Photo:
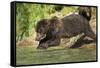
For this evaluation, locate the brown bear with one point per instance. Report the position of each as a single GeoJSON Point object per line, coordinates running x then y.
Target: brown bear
{"type": "Point", "coordinates": [50, 31]}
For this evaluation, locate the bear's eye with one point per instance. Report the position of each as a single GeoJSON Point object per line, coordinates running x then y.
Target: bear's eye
{"type": "Point", "coordinates": [41, 30]}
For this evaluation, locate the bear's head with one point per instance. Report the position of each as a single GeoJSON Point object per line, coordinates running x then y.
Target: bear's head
{"type": "Point", "coordinates": [41, 29]}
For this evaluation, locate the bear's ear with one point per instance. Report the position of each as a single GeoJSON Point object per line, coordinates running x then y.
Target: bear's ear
{"type": "Point", "coordinates": [54, 20]}
{"type": "Point", "coordinates": [55, 23]}
{"type": "Point", "coordinates": [43, 22]}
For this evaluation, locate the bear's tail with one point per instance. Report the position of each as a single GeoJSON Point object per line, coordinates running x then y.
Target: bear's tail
{"type": "Point", "coordinates": [85, 12]}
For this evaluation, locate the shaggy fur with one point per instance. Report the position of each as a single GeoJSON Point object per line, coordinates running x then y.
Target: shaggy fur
{"type": "Point", "coordinates": [50, 31]}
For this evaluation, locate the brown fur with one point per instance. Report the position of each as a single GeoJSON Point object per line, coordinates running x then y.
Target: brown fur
{"type": "Point", "coordinates": [54, 29]}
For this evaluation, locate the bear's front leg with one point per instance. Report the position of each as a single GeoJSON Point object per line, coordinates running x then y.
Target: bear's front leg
{"type": "Point", "coordinates": [48, 43]}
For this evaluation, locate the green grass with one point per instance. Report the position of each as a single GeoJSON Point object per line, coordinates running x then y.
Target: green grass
{"type": "Point", "coordinates": [30, 55]}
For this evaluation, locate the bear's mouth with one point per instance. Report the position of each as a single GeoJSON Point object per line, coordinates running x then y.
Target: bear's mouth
{"type": "Point", "coordinates": [43, 37]}
{"type": "Point", "coordinates": [40, 37]}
